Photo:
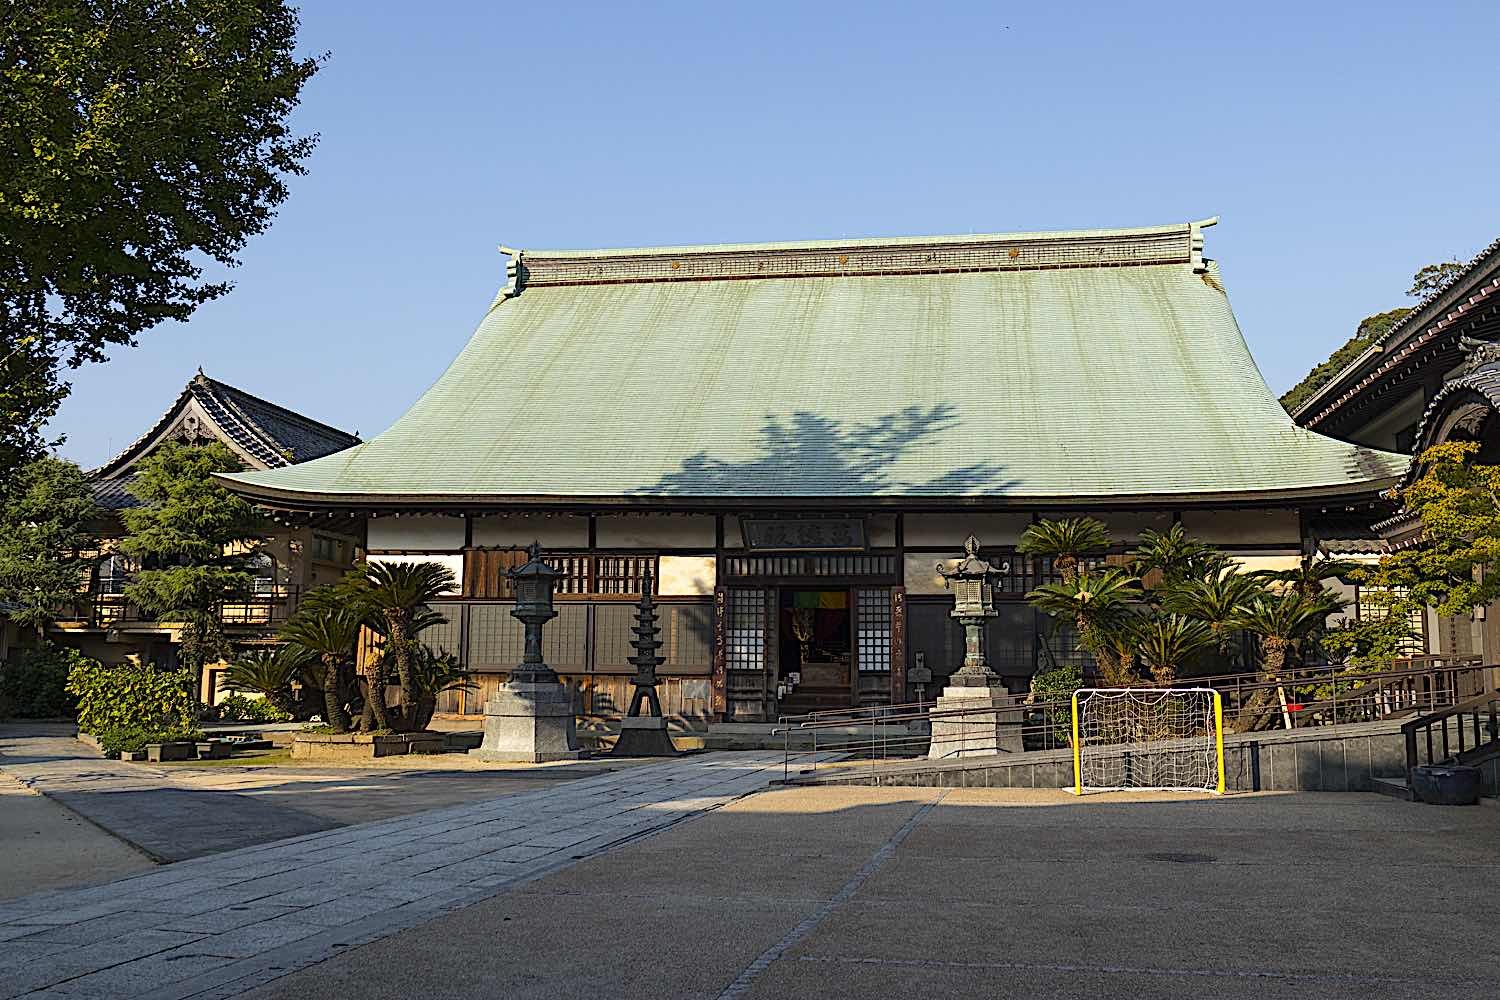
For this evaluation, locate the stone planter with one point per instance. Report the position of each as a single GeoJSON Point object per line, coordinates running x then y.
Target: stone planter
{"type": "Point", "coordinates": [363, 746]}
{"type": "Point", "coordinates": [157, 752]}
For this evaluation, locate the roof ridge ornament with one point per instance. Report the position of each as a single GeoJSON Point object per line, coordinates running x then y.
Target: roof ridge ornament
{"type": "Point", "coordinates": [1195, 243]}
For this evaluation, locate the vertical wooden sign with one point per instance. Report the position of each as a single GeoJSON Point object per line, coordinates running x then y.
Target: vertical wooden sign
{"type": "Point", "coordinates": [898, 645]}
{"type": "Point", "coordinates": [720, 696]}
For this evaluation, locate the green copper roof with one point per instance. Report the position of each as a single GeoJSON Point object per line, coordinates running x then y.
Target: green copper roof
{"type": "Point", "coordinates": [1033, 366]}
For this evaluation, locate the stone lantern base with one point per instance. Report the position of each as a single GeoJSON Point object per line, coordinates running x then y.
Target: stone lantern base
{"type": "Point", "coordinates": [529, 722]}
{"type": "Point", "coordinates": [644, 736]}
{"type": "Point", "coordinates": [991, 726]}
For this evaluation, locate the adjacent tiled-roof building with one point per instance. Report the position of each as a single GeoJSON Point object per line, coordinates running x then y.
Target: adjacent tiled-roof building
{"type": "Point", "coordinates": [263, 434]}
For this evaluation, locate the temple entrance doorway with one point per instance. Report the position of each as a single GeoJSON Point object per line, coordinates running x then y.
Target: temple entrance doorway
{"type": "Point", "coordinates": [815, 660]}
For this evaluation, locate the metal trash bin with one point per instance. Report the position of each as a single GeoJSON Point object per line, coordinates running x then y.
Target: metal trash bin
{"type": "Point", "coordinates": [1446, 785]}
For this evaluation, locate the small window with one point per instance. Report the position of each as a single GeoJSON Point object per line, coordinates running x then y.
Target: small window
{"type": "Point", "coordinates": [327, 549]}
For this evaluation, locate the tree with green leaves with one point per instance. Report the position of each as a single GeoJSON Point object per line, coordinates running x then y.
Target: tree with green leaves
{"type": "Point", "coordinates": [1432, 277]}
{"type": "Point", "coordinates": [1370, 330]}
{"type": "Point", "coordinates": [1456, 565]}
{"type": "Point", "coordinates": [138, 140]}
{"type": "Point", "coordinates": [194, 540]}
{"type": "Point", "coordinates": [1065, 542]}
{"type": "Point", "coordinates": [46, 541]}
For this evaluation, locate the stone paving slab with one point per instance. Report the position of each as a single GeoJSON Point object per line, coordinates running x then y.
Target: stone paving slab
{"type": "Point", "coordinates": [217, 926]}
{"type": "Point", "coordinates": [174, 812]}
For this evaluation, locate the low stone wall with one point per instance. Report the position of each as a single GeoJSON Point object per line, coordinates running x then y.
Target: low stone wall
{"type": "Point", "coordinates": [1326, 759]}
{"type": "Point", "coordinates": [362, 746]}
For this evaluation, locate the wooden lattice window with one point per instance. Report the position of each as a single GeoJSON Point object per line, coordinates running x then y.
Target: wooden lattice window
{"type": "Point", "coordinates": [486, 572]}
{"type": "Point", "coordinates": [873, 630]}
{"type": "Point", "coordinates": [745, 630]}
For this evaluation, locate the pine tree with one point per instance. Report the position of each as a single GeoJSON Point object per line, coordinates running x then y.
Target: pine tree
{"type": "Point", "coordinates": [194, 540]}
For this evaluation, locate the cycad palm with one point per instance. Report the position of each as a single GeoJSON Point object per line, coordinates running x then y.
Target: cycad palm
{"type": "Point", "coordinates": [1099, 605]}
{"type": "Point", "coordinates": [1218, 600]}
{"type": "Point", "coordinates": [328, 634]}
{"type": "Point", "coordinates": [1309, 573]}
{"type": "Point", "coordinates": [397, 595]}
{"type": "Point", "coordinates": [1166, 641]}
{"type": "Point", "coordinates": [1175, 556]}
{"type": "Point", "coordinates": [269, 673]}
{"type": "Point", "coordinates": [1065, 542]}
{"type": "Point", "coordinates": [1282, 620]}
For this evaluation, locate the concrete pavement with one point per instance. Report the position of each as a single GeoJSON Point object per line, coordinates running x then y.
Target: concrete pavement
{"type": "Point", "coordinates": [45, 845]}
{"type": "Point", "coordinates": [914, 893]}
{"type": "Point", "coordinates": [217, 926]}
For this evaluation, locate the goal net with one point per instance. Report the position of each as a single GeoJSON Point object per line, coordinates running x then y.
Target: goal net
{"type": "Point", "coordinates": [1164, 739]}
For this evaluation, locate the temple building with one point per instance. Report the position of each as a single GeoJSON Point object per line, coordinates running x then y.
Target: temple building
{"type": "Point", "coordinates": [1434, 377]}
{"type": "Point", "coordinates": [789, 436]}
{"type": "Point", "coordinates": [294, 558]}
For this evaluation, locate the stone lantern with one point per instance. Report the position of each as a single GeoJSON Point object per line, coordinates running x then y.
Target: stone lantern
{"type": "Point", "coordinates": [971, 580]}
{"type": "Point", "coordinates": [975, 715]}
{"type": "Point", "coordinates": [533, 585]}
{"type": "Point", "coordinates": [530, 717]}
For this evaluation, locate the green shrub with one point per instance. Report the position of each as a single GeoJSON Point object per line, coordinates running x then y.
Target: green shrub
{"type": "Point", "coordinates": [132, 697]}
{"type": "Point", "coordinates": [239, 708]}
{"type": "Point", "coordinates": [1054, 689]}
{"type": "Point", "coordinates": [128, 739]}
{"type": "Point", "coordinates": [33, 683]}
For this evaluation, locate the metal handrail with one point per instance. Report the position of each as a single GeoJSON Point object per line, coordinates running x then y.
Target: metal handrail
{"type": "Point", "coordinates": [1475, 709]}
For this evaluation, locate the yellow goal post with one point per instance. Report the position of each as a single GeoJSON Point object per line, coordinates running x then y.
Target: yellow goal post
{"type": "Point", "coordinates": [1150, 739]}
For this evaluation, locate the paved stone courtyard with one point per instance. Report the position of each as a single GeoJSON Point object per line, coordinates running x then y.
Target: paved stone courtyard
{"type": "Point", "coordinates": [673, 880]}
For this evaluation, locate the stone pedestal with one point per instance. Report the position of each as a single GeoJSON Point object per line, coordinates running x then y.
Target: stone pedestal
{"type": "Point", "coordinates": [992, 725]}
{"type": "Point", "coordinates": [644, 736]}
{"type": "Point", "coordinates": [529, 722]}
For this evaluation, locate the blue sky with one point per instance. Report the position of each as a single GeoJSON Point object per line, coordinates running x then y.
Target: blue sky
{"type": "Point", "coordinates": [1343, 146]}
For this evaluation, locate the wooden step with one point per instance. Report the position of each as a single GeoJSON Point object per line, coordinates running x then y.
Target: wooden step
{"type": "Point", "coordinates": [1396, 788]}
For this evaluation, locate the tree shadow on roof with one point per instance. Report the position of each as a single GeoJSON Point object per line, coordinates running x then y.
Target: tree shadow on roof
{"type": "Point", "coordinates": [805, 454]}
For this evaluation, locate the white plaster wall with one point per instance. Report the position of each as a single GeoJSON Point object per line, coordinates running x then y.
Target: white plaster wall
{"type": "Point", "coordinates": [1243, 526]}
{"type": "Point", "coordinates": [649, 531]}
{"type": "Point", "coordinates": [948, 531]}
{"type": "Point", "coordinates": [919, 573]}
{"type": "Point", "coordinates": [686, 576]}
{"type": "Point", "coordinates": [554, 531]}
{"type": "Point", "coordinates": [1254, 562]}
{"type": "Point", "coordinates": [1127, 525]}
{"type": "Point", "coordinates": [426, 532]}
{"type": "Point", "coordinates": [455, 563]}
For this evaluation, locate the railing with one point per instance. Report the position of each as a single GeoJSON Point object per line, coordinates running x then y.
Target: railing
{"type": "Point", "coordinates": [263, 609]}
{"type": "Point", "coordinates": [1465, 733]}
{"type": "Point", "coordinates": [879, 733]}
{"type": "Point", "coordinates": [1301, 698]}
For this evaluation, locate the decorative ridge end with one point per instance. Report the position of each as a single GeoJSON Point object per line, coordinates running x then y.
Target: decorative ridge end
{"type": "Point", "coordinates": [513, 270]}
{"type": "Point", "coordinates": [1195, 242]}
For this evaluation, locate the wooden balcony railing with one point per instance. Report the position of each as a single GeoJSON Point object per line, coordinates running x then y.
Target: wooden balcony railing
{"type": "Point", "coordinates": [266, 608]}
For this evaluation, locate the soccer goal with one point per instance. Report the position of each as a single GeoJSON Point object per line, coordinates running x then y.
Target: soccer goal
{"type": "Point", "coordinates": [1162, 739]}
